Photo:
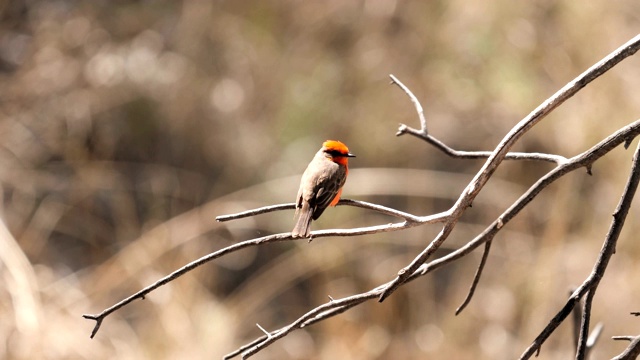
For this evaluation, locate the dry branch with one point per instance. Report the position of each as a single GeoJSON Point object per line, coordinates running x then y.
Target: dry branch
{"type": "Point", "coordinates": [590, 285]}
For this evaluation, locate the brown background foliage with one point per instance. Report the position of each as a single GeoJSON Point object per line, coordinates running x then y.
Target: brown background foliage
{"type": "Point", "coordinates": [127, 126]}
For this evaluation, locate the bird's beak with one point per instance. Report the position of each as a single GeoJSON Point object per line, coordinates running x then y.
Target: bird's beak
{"type": "Point", "coordinates": [350, 155]}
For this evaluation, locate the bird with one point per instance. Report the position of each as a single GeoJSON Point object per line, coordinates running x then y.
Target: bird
{"type": "Point", "coordinates": [321, 185]}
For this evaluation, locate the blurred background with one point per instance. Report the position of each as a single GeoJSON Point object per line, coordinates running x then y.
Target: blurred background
{"type": "Point", "coordinates": [128, 126]}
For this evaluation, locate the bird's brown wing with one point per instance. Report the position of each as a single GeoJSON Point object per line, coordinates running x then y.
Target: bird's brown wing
{"type": "Point", "coordinates": [326, 190]}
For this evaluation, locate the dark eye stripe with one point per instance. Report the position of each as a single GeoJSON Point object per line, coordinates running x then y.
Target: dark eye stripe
{"type": "Point", "coordinates": [334, 153]}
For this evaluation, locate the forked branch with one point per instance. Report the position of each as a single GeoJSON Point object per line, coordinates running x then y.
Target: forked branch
{"type": "Point", "coordinates": [482, 176]}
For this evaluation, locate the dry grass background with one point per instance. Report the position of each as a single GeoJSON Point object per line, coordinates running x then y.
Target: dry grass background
{"type": "Point", "coordinates": [127, 126]}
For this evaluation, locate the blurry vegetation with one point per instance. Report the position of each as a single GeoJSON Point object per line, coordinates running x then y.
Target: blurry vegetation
{"type": "Point", "coordinates": [127, 126]}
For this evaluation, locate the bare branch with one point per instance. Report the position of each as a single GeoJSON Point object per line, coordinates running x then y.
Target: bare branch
{"type": "Point", "coordinates": [588, 157]}
{"type": "Point", "coordinates": [331, 308]}
{"type": "Point", "coordinates": [263, 330]}
{"type": "Point", "coordinates": [476, 278]}
{"type": "Point", "coordinates": [254, 212]}
{"type": "Point", "coordinates": [423, 134]}
{"type": "Point", "coordinates": [98, 318]}
{"type": "Point", "coordinates": [487, 170]}
{"type": "Point", "coordinates": [472, 155]}
{"type": "Point", "coordinates": [585, 341]}
{"type": "Point", "coordinates": [632, 351]}
{"type": "Point", "coordinates": [582, 350]}
{"type": "Point", "coordinates": [423, 121]}
{"type": "Point", "coordinates": [357, 203]}
{"type": "Point", "coordinates": [576, 319]}
{"type": "Point", "coordinates": [625, 337]}
{"type": "Point", "coordinates": [591, 283]}
{"type": "Point", "coordinates": [393, 212]}
{"type": "Point", "coordinates": [579, 327]}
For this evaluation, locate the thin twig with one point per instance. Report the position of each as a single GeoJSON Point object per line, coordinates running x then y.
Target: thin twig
{"type": "Point", "coordinates": [263, 330]}
{"type": "Point", "coordinates": [476, 277]}
{"type": "Point", "coordinates": [423, 121]}
{"type": "Point", "coordinates": [254, 212]}
{"type": "Point", "coordinates": [624, 337]}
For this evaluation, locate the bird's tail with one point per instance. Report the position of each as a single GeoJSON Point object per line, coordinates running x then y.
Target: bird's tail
{"type": "Point", "coordinates": [303, 225]}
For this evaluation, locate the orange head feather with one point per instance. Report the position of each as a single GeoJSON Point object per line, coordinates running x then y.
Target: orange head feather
{"type": "Point", "coordinates": [337, 151]}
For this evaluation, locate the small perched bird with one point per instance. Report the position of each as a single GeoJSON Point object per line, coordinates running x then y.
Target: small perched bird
{"type": "Point", "coordinates": [321, 184]}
